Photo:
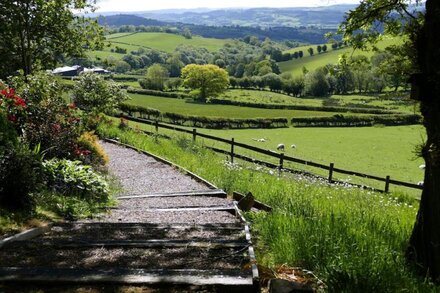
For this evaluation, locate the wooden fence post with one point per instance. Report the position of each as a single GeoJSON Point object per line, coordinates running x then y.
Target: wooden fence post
{"type": "Point", "coordinates": [387, 184]}
{"type": "Point", "coordinates": [232, 150]}
{"type": "Point", "coordinates": [156, 124]}
{"type": "Point", "coordinates": [194, 134]}
{"type": "Point", "coordinates": [281, 161]}
{"type": "Point", "coordinates": [330, 173]}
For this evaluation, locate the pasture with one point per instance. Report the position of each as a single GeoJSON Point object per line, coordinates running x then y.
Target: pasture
{"type": "Point", "coordinates": [354, 100]}
{"type": "Point", "coordinates": [159, 41]}
{"type": "Point", "coordinates": [379, 151]}
{"type": "Point", "coordinates": [295, 66]}
{"type": "Point", "coordinates": [189, 107]}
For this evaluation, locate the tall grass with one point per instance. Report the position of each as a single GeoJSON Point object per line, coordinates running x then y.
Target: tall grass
{"type": "Point", "coordinates": [354, 240]}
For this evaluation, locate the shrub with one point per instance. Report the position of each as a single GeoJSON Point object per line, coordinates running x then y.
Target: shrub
{"type": "Point", "coordinates": [55, 126]}
{"type": "Point", "coordinates": [93, 93]}
{"type": "Point", "coordinates": [71, 178]}
{"type": "Point", "coordinates": [96, 156]}
{"type": "Point", "coordinates": [20, 176]}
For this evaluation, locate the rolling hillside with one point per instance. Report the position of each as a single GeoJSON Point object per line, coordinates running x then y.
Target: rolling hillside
{"type": "Point", "coordinates": [331, 56]}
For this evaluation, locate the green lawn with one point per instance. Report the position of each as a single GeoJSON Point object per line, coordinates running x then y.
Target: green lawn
{"type": "Point", "coordinates": [181, 106]}
{"type": "Point", "coordinates": [330, 57]}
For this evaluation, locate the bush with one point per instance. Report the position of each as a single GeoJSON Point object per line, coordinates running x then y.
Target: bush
{"type": "Point", "coordinates": [20, 176]}
{"type": "Point", "coordinates": [96, 154]}
{"type": "Point", "coordinates": [71, 178]}
{"type": "Point", "coordinates": [93, 93]}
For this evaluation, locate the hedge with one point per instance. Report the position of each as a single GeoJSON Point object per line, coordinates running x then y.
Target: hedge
{"type": "Point", "coordinates": [357, 121]}
{"type": "Point", "coordinates": [303, 107]}
{"type": "Point", "coordinates": [201, 121]}
{"type": "Point", "coordinates": [173, 95]}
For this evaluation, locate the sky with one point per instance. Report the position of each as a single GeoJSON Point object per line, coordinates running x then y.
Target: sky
{"type": "Point", "coordinates": [144, 5]}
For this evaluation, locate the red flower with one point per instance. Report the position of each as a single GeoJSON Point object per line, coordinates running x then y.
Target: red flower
{"type": "Point", "coordinates": [20, 102]}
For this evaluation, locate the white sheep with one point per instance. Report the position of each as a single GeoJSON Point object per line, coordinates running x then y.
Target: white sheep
{"type": "Point", "coordinates": [422, 166]}
{"type": "Point", "coordinates": [420, 183]}
{"type": "Point", "coordinates": [293, 146]}
{"type": "Point", "coordinates": [260, 139]}
{"type": "Point", "coordinates": [280, 147]}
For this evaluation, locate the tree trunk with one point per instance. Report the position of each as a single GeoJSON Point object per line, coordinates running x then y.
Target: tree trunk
{"type": "Point", "coordinates": [424, 246]}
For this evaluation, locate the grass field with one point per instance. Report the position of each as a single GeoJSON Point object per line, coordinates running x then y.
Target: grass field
{"type": "Point", "coordinates": [379, 151]}
{"type": "Point", "coordinates": [352, 240]}
{"type": "Point", "coordinates": [266, 97]}
{"type": "Point", "coordinates": [330, 57]}
{"type": "Point", "coordinates": [159, 41]}
{"type": "Point", "coordinates": [181, 106]}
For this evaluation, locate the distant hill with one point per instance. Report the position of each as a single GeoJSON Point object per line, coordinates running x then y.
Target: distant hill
{"type": "Point", "coordinates": [324, 17]}
{"type": "Point", "coordinates": [126, 19]}
{"type": "Point", "coordinates": [300, 34]}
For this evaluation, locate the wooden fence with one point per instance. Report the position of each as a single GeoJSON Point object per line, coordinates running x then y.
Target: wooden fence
{"type": "Point", "coordinates": [281, 157]}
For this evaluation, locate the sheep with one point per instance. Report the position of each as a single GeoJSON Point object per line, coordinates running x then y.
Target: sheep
{"type": "Point", "coordinates": [420, 183]}
{"type": "Point", "coordinates": [422, 166]}
{"type": "Point", "coordinates": [293, 146]}
{"type": "Point", "coordinates": [280, 147]}
{"type": "Point", "coordinates": [260, 139]}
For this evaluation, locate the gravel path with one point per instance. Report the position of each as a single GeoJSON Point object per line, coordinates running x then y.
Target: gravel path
{"type": "Point", "coordinates": [140, 174]}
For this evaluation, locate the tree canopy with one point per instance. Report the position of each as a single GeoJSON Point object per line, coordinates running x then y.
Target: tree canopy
{"type": "Point", "coordinates": [205, 80]}
{"type": "Point", "coordinates": [38, 33]}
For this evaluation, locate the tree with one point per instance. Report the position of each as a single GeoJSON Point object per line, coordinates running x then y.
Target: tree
{"type": "Point", "coordinates": [423, 49]}
{"type": "Point", "coordinates": [324, 48]}
{"type": "Point", "coordinates": [34, 34]}
{"type": "Point", "coordinates": [319, 49]}
{"type": "Point", "coordinates": [205, 80]}
{"type": "Point", "coordinates": [310, 50]}
{"type": "Point", "coordinates": [273, 81]}
{"type": "Point", "coordinates": [316, 84]}
{"type": "Point", "coordinates": [156, 77]}
{"type": "Point", "coordinates": [300, 54]}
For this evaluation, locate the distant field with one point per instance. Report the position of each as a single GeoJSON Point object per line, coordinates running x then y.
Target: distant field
{"type": "Point", "coordinates": [160, 41]}
{"type": "Point", "coordinates": [266, 97]}
{"type": "Point", "coordinates": [181, 106]}
{"type": "Point", "coordinates": [330, 57]}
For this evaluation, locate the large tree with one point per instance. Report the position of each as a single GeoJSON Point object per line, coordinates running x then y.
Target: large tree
{"type": "Point", "coordinates": [38, 33]}
{"type": "Point", "coordinates": [206, 80]}
{"type": "Point", "coordinates": [421, 27]}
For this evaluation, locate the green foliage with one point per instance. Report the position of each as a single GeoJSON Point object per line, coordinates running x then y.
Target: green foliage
{"type": "Point", "coordinates": [49, 24]}
{"type": "Point", "coordinates": [316, 84]}
{"type": "Point", "coordinates": [93, 93]}
{"type": "Point", "coordinates": [20, 176]}
{"type": "Point", "coordinates": [155, 78]}
{"type": "Point", "coordinates": [207, 81]}
{"type": "Point", "coordinates": [72, 179]}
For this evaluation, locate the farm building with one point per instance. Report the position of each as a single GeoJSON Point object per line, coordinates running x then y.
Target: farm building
{"type": "Point", "coordinates": [75, 70]}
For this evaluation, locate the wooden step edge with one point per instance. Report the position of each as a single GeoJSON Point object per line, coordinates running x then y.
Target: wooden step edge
{"type": "Point", "coordinates": [26, 235]}
{"type": "Point", "coordinates": [208, 193]}
{"type": "Point", "coordinates": [125, 276]}
{"type": "Point", "coordinates": [155, 243]}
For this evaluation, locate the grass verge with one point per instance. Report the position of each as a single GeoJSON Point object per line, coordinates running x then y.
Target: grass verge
{"type": "Point", "coordinates": [353, 240]}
